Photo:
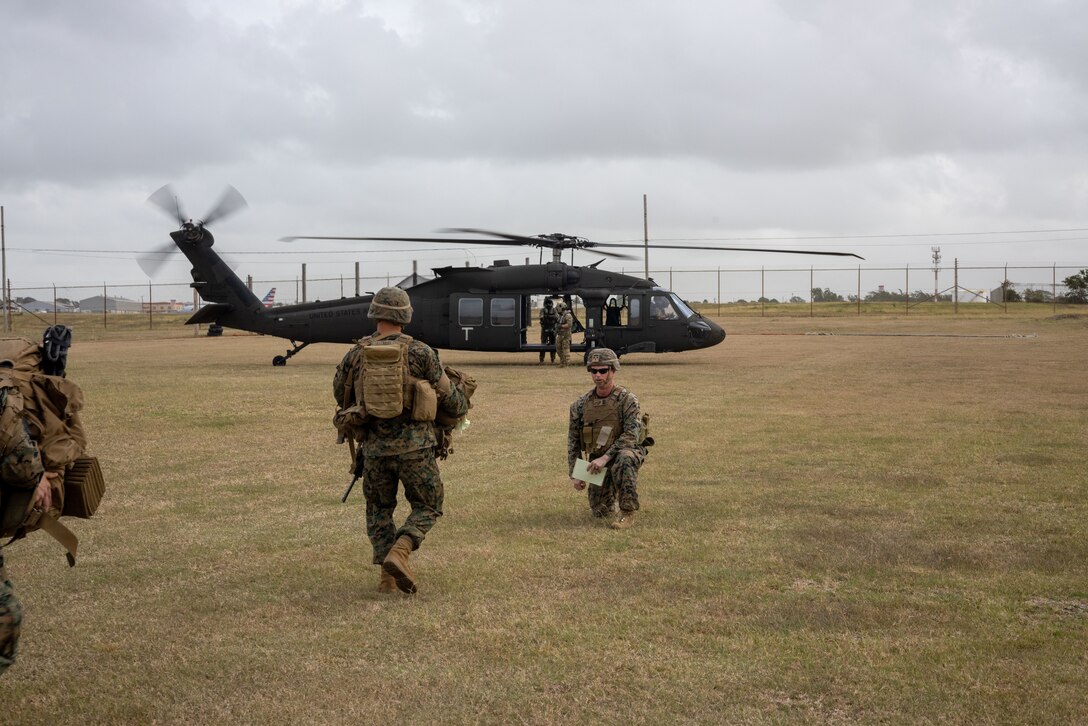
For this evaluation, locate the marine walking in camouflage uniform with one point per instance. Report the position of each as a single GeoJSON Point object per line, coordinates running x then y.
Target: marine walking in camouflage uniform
{"type": "Point", "coordinates": [548, 319]}
{"type": "Point", "coordinates": [23, 483]}
{"type": "Point", "coordinates": [398, 448]}
{"type": "Point", "coordinates": [563, 329]}
{"type": "Point", "coordinates": [606, 429]}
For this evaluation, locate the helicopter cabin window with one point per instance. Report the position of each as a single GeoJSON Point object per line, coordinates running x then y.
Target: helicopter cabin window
{"type": "Point", "coordinates": [470, 312]}
{"type": "Point", "coordinates": [634, 312]}
{"type": "Point", "coordinates": [661, 308]}
{"type": "Point", "coordinates": [502, 311]}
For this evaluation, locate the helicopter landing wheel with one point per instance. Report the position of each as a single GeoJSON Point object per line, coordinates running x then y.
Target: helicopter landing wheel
{"type": "Point", "coordinates": [281, 360]}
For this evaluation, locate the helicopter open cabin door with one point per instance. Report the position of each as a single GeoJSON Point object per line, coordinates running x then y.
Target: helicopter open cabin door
{"type": "Point", "coordinates": [485, 322]}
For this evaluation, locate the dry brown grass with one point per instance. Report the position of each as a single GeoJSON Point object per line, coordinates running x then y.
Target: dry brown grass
{"type": "Point", "coordinates": [836, 528]}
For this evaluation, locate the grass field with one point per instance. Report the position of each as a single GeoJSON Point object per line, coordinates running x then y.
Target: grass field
{"type": "Point", "coordinates": [885, 522]}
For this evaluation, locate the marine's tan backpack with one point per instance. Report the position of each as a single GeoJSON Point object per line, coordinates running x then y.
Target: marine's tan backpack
{"type": "Point", "coordinates": [51, 408]}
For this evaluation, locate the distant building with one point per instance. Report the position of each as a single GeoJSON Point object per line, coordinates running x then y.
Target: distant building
{"type": "Point", "coordinates": [41, 306]}
{"type": "Point", "coordinates": [98, 304]}
{"type": "Point", "coordinates": [164, 307]}
{"type": "Point", "coordinates": [997, 293]}
{"type": "Point", "coordinates": [968, 295]}
{"type": "Point", "coordinates": [411, 281]}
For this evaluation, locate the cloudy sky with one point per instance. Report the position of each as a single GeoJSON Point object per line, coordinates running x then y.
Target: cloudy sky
{"type": "Point", "coordinates": [883, 128]}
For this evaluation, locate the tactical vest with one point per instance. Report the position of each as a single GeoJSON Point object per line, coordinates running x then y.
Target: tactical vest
{"type": "Point", "coordinates": [601, 424]}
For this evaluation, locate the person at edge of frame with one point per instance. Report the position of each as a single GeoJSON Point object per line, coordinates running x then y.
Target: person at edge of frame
{"type": "Point", "coordinates": [21, 471]}
{"type": "Point", "coordinates": [606, 429]}
{"type": "Point", "coordinates": [399, 448]}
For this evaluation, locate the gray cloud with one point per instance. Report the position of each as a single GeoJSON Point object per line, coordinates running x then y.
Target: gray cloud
{"type": "Point", "coordinates": [755, 119]}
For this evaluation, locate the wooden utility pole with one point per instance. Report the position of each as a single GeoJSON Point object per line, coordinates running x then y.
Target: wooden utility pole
{"type": "Point", "coordinates": [646, 236]}
{"type": "Point", "coordinates": [4, 274]}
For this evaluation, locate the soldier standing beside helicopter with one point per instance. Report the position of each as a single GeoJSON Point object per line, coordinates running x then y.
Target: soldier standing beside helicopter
{"type": "Point", "coordinates": [548, 319]}
{"type": "Point", "coordinates": [396, 435]}
{"type": "Point", "coordinates": [609, 431]}
{"type": "Point", "coordinates": [563, 329]}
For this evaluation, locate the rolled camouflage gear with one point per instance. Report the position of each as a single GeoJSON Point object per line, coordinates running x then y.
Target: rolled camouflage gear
{"type": "Point", "coordinates": [603, 357]}
{"type": "Point", "coordinates": [391, 304]}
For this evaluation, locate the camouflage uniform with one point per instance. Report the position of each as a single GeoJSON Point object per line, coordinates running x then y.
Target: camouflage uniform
{"type": "Point", "coordinates": [401, 449]}
{"type": "Point", "coordinates": [20, 468]}
{"type": "Point", "coordinates": [11, 618]}
{"type": "Point", "coordinates": [548, 319]}
{"type": "Point", "coordinates": [626, 454]}
{"type": "Point", "coordinates": [562, 336]}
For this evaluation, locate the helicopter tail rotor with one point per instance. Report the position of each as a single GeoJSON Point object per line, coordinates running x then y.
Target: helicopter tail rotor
{"type": "Point", "coordinates": [166, 199]}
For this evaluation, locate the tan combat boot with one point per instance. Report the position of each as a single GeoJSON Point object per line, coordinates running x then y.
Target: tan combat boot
{"type": "Point", "coordinates": [625, 520]}
{"type": "Point", "coordinates": [386, 583]}
{"type": "Point", "coordinates": [396, 565]}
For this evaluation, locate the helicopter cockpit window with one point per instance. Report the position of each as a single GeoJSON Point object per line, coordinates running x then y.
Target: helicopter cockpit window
{"type": "Point", "coordinates": [502, 311]}
{"type": "Point", "coordinates": [682, 306]}
{"type": "Point", "coordinates": [661, 308]}
{"type": "Point", "coordinates": [470, 312]}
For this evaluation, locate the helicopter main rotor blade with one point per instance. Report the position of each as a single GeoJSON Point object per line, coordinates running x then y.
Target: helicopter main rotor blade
{"type": "Point", "coordinates": [166, 199]}
{"type": "Point", "coordinates": [729, 249]}
{"type": "Point", "coordinates": [229, 203]}
{"type": "Point", "coordinates": [443, 240]}
{"type": "Point", "coordinates": [517, 238]}
{"type": "Point", "coordinates": [507, 241]}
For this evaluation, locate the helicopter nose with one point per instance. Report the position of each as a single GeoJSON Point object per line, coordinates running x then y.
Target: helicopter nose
{"type": "Point", "coordinates": [705, 333]}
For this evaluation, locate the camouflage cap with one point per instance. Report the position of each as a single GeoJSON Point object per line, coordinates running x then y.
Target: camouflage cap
{"type": "Point", "coordinates": [560, 305]}
{"type": "Point", "coordinates": [391, 304]}
{"type": "Point", "coordinates": [603, 357]}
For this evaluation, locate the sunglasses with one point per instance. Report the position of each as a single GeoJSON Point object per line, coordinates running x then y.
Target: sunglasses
{"type": "Point", "coordinates": [599, 371]}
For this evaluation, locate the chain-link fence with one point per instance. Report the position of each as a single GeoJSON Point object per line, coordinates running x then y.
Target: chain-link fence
{"type": "Point", "coordinates": [831, 290]}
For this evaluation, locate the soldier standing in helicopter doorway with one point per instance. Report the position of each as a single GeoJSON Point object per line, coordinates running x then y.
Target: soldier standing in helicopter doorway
{"type": "Point", "coordinates": [563, 329]}
{"type": "Point", "coordinates": [396, 444]}
{"type": "Point", "coordinates": [548, 319]}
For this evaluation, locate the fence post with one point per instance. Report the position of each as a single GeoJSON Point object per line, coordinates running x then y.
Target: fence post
{"type": "Point", "coordinates": [104, 325]}
{"type": "Point", "coordinates": [150, 305]}
{"type": "Point", "coordinates": [859, 291]}
{"type": "Point", "coordinates": [1054, 288]}
{"type": "Point", "coordinates": [906, 282]}
{"type": "Point", "coordinates": [955, 285]}
{"type": "Point", "coordinates": [719, 298]}
{"type": "Point", "coordinates": [54, 303]}
{"type": "Point", "coordinates": [1005, 290]}
{"type": "Point", "coordinates": [762, 291]}
{"type": "Point", "coordinates": [811, 294]}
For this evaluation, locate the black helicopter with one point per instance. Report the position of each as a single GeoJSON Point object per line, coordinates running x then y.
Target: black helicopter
{"type": "Point", "coordinates": [461, 308]}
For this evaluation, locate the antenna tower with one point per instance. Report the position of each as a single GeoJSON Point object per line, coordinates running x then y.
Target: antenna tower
{"type": "Point", "coordinates": [936, 269]}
